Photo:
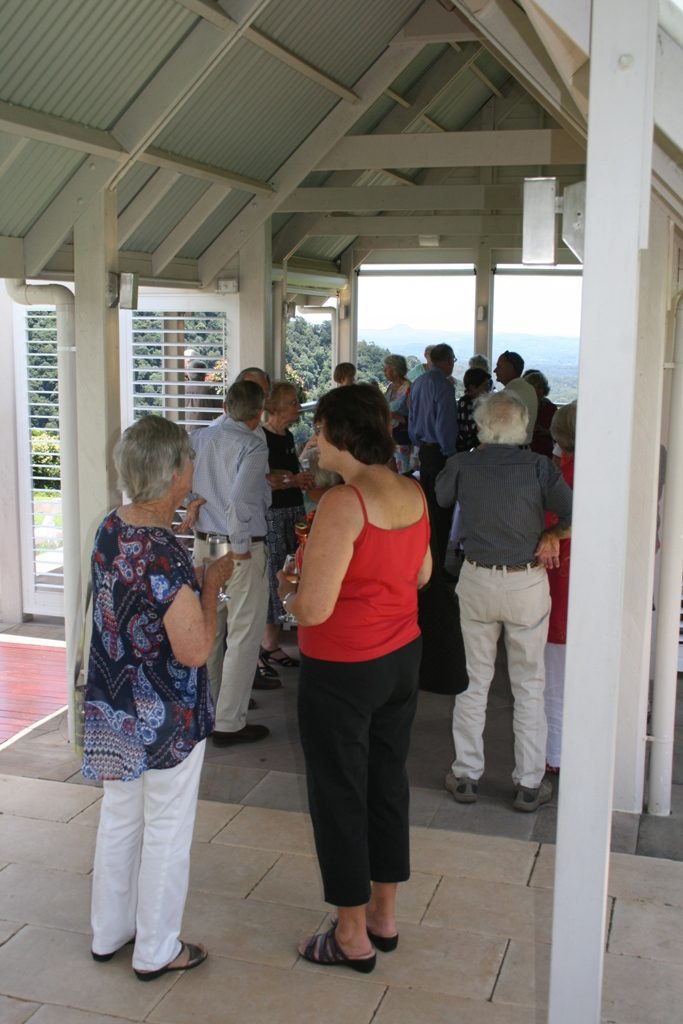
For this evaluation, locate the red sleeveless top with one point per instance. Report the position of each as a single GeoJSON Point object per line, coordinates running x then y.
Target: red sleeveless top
{"type": "Point", "coordinates": [376, 611]}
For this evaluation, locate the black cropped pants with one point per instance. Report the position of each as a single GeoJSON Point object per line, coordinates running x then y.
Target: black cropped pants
{"type": "Point", "coordinates": [355, 720]}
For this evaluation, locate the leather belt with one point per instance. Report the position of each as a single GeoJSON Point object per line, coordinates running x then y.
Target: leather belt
{"type": "Point", "coordinates": [520, 567]}
{"type": "Point", "coordinates": [223, 536]}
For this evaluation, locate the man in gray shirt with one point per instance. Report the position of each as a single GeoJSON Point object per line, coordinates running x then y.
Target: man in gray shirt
{"type": "Point", "coordinates": [504, 493]}
{"type": "Point", "coordinates": [230, 474]}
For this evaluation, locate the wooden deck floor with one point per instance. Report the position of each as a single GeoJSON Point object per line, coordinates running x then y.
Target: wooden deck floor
{"type": "Point", "coordinates": [32, 684]}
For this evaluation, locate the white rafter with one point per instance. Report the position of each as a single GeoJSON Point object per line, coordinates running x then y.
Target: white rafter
{"type": "Point", "coordinates": [438, 224]}
{"type": "Point", "coordinates": [171, 87]}
{"type": "Point", "coordinates": [510, 37]}
{"type": "Point", "coordinates": [454, 149]}
{"type": "Point", "coordinates": [151, 193]}
{"type": "Point", "coordinates": [33, 125]}
{"type": "Point", "coordinates": [186, 227]}
{"type": "Point", "coordinates": [10, 148]}
{"type": "Point", "coordinates": [431, 86]}
{"type": "Point", "coordinates": [214, 14]}
{"type": "Point", "coordinates": [417, 197]}
{"type": "Point", "coordinates": [331, 128]}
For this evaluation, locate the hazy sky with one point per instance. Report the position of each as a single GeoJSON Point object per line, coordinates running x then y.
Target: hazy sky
{"type": "Point", "coordinates": [524, 305]}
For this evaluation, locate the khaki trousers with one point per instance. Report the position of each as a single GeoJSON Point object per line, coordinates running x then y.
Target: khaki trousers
{"type": "Point", "coordinates": [492, 600]}
{"type": "Point", "coordinates": [242, 619]}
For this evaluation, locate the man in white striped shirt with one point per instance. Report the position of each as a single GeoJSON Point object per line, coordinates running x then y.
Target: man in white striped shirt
{"type": "Point", "coordinates": [230, 474]}
{"type": "Point", "coordinates": [503, 493]}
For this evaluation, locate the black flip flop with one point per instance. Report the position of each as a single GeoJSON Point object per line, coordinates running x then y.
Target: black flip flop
{"type": "Point", "coordinates": [197, 955]}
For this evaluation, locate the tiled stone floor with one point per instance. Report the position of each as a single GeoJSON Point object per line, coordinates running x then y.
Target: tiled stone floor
{"type": "Point", "coordinates": [474, 921]}
{"type": "Point", "coordinates": [474, 918]}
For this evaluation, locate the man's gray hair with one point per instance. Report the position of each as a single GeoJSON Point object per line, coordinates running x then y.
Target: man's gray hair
{"type": "Point", "coordinates": [249, 372]}
{"type": "Point", "coordinates": [563, 427]}
{"type": "Point", "coordinates": [244, 400]}
{"type": "Point", "coordinates": [148, 454]}
{"type": "Point", "coordinates": [479, 362]}
{"type": "Point", "coordinates": [501, 418]}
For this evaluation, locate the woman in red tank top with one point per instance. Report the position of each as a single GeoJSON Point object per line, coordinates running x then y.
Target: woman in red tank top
{"type": "Point", "coordinates": [366, 556]}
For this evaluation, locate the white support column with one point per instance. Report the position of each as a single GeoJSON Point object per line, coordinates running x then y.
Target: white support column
{"type": "Point", "coordinates": [279, 329]}
{"type": "Point", "coordinates": [617, 207]}
{"type": "Point", "coordinates": [633, 695]}
{"type": "Point", "coordinates": [483, 303]}
{"type": "Point", "coordinates": [347, 338]}
{"type": "Point", "coordinates": [256, 298]}
{"type": "Point", "coordinates": [11, 603]}
{"type": "Point", "coordinates": [97, 364]}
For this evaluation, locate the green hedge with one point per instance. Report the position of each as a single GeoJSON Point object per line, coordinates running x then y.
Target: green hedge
{"type": "Point", "coordinates": [45, 459]}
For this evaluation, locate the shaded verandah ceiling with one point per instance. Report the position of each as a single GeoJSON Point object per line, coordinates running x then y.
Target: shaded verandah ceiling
{"type": "Point", "coordinates": [356, 127]}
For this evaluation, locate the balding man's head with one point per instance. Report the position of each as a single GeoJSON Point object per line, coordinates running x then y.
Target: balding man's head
{"type": "Point", "coordinates": [258, 376]}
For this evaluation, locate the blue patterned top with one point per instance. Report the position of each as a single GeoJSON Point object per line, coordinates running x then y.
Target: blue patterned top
{"type": "Point", "coordinates": [143, 709]}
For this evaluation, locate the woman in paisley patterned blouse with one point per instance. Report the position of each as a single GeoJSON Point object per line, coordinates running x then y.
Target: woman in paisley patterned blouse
{"type": "Point", "coordinates": [148, 707]}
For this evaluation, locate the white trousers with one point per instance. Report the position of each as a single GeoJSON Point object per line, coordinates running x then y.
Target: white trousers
{"type": "Point", "coordinates": [518, 603]}
{"type": "Point", "coordinates": [142, 862]}
{"type": "Point", "coordinates": [555, 659]}
{"type": "Point", "coordinates": [242, 619]}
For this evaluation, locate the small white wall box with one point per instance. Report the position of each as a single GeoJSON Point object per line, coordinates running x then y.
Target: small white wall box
{"type": "Point", "coordinates": [539, 229]}
{"type": "Point", "coordinates": [228, 286]}
{"type": "Point", "coordinates": [128, 291]}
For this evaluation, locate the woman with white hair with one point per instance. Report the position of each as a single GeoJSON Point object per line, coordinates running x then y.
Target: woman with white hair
{"type": "Point", "coordinates": [148, 708]}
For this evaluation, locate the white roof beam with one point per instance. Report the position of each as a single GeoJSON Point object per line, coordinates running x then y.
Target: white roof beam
{"type": "Point", "coordinates": [32, 125]}
{"type": "Point", "coordinates": [175, 82]}
{"type": "Point", "coordinates": [303, 160]}
{"type": "Point", "coordinates": [52, 227]}
{"type": "Point", "coordinates": [454, 149]}
{"type": "Point", "coordinates": [185, 228]}
{"type": "Point", "coordinates": [436, 80]}
{"type": "Point", "coordinates": [473, 242]}
{"type": "Point", "coordinates": [217, 17]}
{"type": "Point", "coordinates": [432, 23]}
{"type": "Point", "coordinates": [510, 37]}
{"type": "Point", "coordinates": [418, 197]}
{"type": "Point", "coordinates": [152, 192]}
{"type": "Point", "coordinates": [10, 148]}
{"type": "Point", "coordinates": [669, 89]}
{"type": "Point", "coordinates": [435, 225]}
{"type": "Point", "coordinates": [564, 30]}
{"type": "Point", "coordinates": [571, 20]}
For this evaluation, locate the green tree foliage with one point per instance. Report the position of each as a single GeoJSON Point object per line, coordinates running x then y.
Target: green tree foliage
{"type": "Point", "coordinates": [46, 461]}
{"type": "Point", "coordinates": [370, 361]}
{"type": "Point", "coordinates": [308, 352]}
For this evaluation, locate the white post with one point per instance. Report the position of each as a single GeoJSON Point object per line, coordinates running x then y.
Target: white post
{"type": "Point", "coordinates": [669, 594]}
{"type": "Point", "coordinates": [60, 297]}
{"type": "Point", "coordinates": [97, 364]}
{"type": "Point", "coordinates": [483, 303]}
{"type": "Point", "coordinates": [256, 297]}
{"type": "Point", "coordinates": [347, 339]}
{"type": "Point", "coordinates": [279, 330]}
{"type": "Point", "coordinates": [11, 601]}
{"type": "Point", "coordinates": [617, 207]}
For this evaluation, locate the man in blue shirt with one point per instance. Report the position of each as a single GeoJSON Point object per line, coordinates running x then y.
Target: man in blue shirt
{"type": "Point", "coordinates": [433, 427]}
{"type": "Point", "coordinates": [230, 474]}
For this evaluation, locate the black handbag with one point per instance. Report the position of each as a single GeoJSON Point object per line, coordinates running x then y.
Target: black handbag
{"type": "Point", "coordinates": [442, 668]}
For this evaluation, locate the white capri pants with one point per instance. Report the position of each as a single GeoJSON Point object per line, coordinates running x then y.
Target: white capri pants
{"type": "Point", "coordinates": [142, 862]}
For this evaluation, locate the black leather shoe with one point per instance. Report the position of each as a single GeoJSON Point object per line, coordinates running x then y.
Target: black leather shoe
{"type": "Point", "coordinates": [249, 734]}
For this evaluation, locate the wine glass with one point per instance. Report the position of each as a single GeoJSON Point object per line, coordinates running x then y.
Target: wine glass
{"type": "Point", "coordinates": [218, 547]}
{"type": "Point", "coordinates": [290, 571]}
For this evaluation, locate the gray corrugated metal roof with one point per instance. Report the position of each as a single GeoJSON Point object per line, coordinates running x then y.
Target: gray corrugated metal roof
{"type": "Point", "coordinates": [318, 31]}
{"type": "Point", "coordinates": [32, 181]}
{"type": "Point", "coordinates": [274, 110]}
{"type": "Point", "coordinates": [212, 227]}
{"type": "Point", "coordinates": [131, 183]}
{"type": "Point", "coordinates": [166, 215]}
{"type": "Point", "coordinates": [84, 60]}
